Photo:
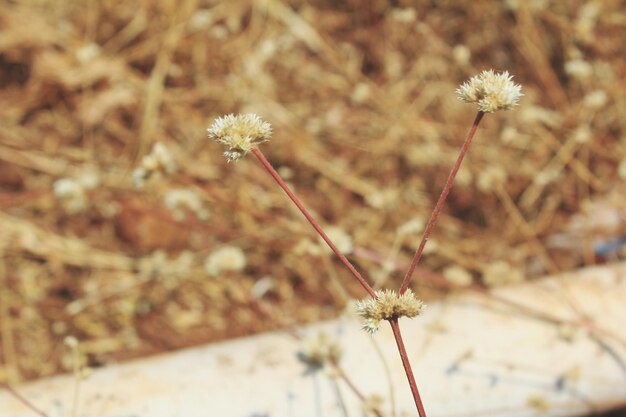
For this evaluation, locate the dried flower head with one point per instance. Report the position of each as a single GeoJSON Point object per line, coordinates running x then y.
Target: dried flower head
{"type": "Point", "coordinates": [387, 305]}
{"type": "Point", "coordinates": [491, 91]}
{"type": "Point", "coordinates": [239, 133]}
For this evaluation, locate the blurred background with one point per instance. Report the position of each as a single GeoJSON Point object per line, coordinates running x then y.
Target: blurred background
{"type": "Point", "coordinates": [123, 227]}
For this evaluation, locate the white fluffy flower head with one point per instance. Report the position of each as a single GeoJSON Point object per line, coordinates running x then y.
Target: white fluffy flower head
{"type": "Point", "coordinates": [491, 91]}
{"type": "Point", "coordinates": [387, 305]}
{"type": "Point", "coordinates": [239, 133]}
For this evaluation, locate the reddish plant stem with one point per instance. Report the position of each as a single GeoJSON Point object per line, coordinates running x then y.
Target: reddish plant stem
{"type": "Point", "coordinates": [266, 164]}
{"type": "Point", "coordinates": [442, 199]}
{"type": "Point", "coordinates": [407, 367]}
{"type": "Point", "coordinates": [22, 399]}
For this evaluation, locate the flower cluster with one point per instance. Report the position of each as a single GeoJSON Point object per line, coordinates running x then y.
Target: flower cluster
{"type": "Point", "coordinates": [239, 133]}
{"type": "Point", "coordinates": [387, 305]}
{"type": "Point", "coordinates": [491, 91]}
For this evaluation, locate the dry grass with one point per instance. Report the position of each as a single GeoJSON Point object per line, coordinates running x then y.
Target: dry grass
{"type": "Point", "coordinates": [361, 97]}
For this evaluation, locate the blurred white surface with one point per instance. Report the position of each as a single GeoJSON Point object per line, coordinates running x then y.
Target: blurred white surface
{"type": "Point", "coordinates": [472, 355]}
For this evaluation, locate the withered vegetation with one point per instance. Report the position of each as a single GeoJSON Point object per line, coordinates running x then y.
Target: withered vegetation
{"type": "Point", "coordinates": [361, 97]}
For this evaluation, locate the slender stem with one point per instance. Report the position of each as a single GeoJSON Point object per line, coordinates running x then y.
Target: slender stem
{"type": "Point", "coordinates": [442, 199]}
{"type": "Point", "coordinates": [257, 152]}
{"type": "Point", "coordinates": [407, 367]}
{"type": "Point", "coordinates": [22, 399]}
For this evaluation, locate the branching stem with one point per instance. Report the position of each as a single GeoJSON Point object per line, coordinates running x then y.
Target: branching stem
{"type": "Point", "coordinates": [442, 199]}
{"type": "Point", "coordinates": [268, 166]}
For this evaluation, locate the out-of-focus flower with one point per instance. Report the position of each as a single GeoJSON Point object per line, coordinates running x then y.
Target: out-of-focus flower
{"type": "Point", "coordinates": [458, 275]}
{"type": "Point", "coordinates": [71, 194]}
{"type": "Point", "coordinates": [170, 272]}
{"type": "Point", "coordinates": [179, 199]}
{"type": "Point", "coordinates": [406, 15]}
{"type": "Point", "coordinates": [226, 258]}
{"type": "Point", "coordinates": [320, 350]}
{"type": "Point", "coordinates": [88, 52]}
{"type": "Point", "coordinates": [578, 68]}
{"type": "Point", "coordinates": [596, 99]}
{"type": "Point", "coordinates": [490, 178]}
{"type": "Point", "coordinates": [413, 226]}
{"type": "Point", "coordinates": [461, 54]}
{"type": "Point", "coordinates": [491, 91]}
{"type": "Point", "coordinates": [501, 273]}
{"type": "Point", "coordinates": [159, 162]}
{"type": "Point", "coordinates": [535, 114]}
{"type": "Point", "coordinates": [239, 133]}
{"type": "Point", "coordinates": [361, 93]}
{"type": "Point", "coordinates": [385, 198]}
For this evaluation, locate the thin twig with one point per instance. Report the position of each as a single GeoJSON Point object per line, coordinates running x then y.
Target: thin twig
{"type": "Point", "coordinates": [439, 206]}
{"type": "Point", "coordinates": [353, 387]}
{"type": "Point", "coordinates": [266, 164]}
{"type": "Point", "coordinates": [22, 399]}
{"type": "Point", "coordinates": [407, 367]}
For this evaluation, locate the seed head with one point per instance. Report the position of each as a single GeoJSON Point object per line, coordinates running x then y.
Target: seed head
{"type": "Point", "coordinates": [239, 133]}
{"type": "Point", "coordinates": [387, 305]}
{"type": "Point", "coordinates": [491, 91]}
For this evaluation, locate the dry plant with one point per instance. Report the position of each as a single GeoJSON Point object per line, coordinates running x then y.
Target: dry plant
{"type": "Point", "coordinates": [241, 134]}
